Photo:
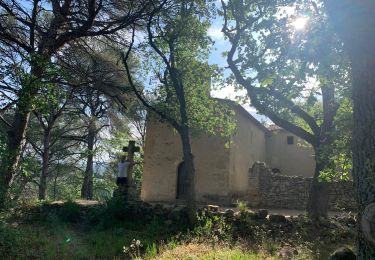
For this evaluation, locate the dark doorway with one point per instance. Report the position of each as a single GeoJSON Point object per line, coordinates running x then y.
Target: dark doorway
{"type": "Point", "coordinates": [182, 182]}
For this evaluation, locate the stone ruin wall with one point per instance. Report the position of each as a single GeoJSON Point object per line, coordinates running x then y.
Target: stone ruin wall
{"type": "Point", "coordinates": [269, 190]}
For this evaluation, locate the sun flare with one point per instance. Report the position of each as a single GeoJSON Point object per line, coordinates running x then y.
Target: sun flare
{"type": "Point", "coordinates": [300, 23]}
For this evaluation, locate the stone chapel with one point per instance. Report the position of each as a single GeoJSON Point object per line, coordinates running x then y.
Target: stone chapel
{"type": "Point", "coordinates": [222, 172]}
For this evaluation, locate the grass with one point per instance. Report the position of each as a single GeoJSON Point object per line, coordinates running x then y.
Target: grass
{"type": "Point", "coordinates": [205, 252]}
{"type": "Point", "coordinates": [102, 234]}
{"type": "Point", "coordinates": [67, 241]}
{"type": "Point", "coordinates": [194, 251]}
{"type": "Point", "coordinates": [66, 233]}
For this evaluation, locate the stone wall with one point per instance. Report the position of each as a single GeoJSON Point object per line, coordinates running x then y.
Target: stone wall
{"type": "Point", "coordinates": [270, 190]}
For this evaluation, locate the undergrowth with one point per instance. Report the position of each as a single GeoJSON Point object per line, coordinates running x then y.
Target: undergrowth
{"type": "Point", "coordinates": [125, 230]}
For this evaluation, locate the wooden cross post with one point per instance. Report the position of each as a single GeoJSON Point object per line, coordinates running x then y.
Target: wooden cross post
{"type": "Point", "coordinates": [131, 149]}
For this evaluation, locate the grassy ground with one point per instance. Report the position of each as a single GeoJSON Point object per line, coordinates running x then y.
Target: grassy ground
{"type": "Point", "coordinates": [67, 241]}
{"type": "Point", "coordinates": [205, 251]}
{"type": "Point", "coordinates": [103, 232]}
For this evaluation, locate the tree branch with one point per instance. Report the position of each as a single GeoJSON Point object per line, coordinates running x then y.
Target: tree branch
{"type": "Point", "coordinates": [164, 116]}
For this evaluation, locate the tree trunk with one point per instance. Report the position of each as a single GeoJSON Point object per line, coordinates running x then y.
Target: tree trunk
{"type": "Point", "coordinates": [364, 144]}
{"type": "Point", "coordinates": [45, 165]}
{"type": "Point", "coordinates": [55, 187]}
{"type": "Point", "coordinates": [186, 149]}
{"type": "Point", "coordinates": [15, 143]}
{"type": "Point", "coordinates": [87, 186]}
{"type": "Point", "coordinates": [190, 169]}
{"type": "Point", "coordinates": [17, 133]}
{"type": "Point", "coordinates": [317, 204]}
{"type": "Point", "coordinates": [354, 21]}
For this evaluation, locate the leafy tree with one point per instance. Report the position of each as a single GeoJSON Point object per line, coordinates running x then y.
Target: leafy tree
{"type": "Point", "coordinates": [101, 95]}
{"type": "Point", "coordinates": [93, 107]}
{"type": "Point", "coordinates": [354, 21]}
{"type": "Point", "coordinates": [92, 72]}
{"type": "Point", "coordinates": [178, 51]}
{"type": "Point", "coordinates": [137, 116]}
{"type": "Point", "coordinates": [276, 64]}
{"type": "Point", "coordinates": [53, 140]}
{"type": "Point", "coordinates": [47, 116]}
{"type": "Point", "coordinates": [31, 34]}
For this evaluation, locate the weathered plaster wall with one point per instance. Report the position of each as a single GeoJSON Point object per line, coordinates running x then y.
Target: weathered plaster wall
{"type": "Point", "coordinates": [292, 159]}
{"type": "Point", "coordinates": [162, 157]}
{"type": "Point", "coordinates": [163, 154]}
{"type": "Point", "coordinates": [247, 146]}
{"type": "Point", "coordinates": [270, 190]}
{"type": "Point", "coordinates": [212, 167]}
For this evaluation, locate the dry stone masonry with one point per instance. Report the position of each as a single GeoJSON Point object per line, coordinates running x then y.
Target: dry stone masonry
{"type": "Point", "coordinates": [270, 190]}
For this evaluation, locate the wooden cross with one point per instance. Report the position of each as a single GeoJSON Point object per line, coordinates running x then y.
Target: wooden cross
{"type": "Point", "coordinates": [131, 149]}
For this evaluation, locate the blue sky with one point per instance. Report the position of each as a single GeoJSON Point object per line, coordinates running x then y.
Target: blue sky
{"type": "Point", "coordinates": [221, 45]}
{"type": "Point", "coordinates": [216, 57]}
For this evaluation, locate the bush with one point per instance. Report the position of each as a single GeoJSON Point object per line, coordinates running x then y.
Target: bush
{"type": "Point", "coordinates": [70, 212]}
{"type": "Point", "coordinates": [115, 212]}
{"type": "Point", "coordinates": [213, 226]}
{"type": "Point", "coordinates": [9, 241]}
{"type": "Point", "coordinates": [151, 251]}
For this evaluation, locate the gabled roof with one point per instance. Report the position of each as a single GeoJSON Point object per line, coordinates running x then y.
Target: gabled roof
{"type": "Point", "coordinates": [244, 112]}
{"type": "Point", "coordinates": [274, 128]}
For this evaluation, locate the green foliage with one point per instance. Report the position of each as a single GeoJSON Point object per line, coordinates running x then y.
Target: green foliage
{"type": "Point", "coordinates": [41, 232]}
{"type": "Point", "coordinates": [9, 241]}
{"type": "Point", "coordinates": [151, 251]}
{"type": "Point", "coordinates": [185, 82]}
{"type": "Point", "coordinates": [301, 76]}
{"type": "Point", "coordinates": [70, 212]}
{"type": "Point", "coordinates": [271, 248]}
{"type": "Point", "coordinates": [231, 254]}
{"type": "Point", "coordinates": [25, 243]}
{"type": "Point", "coordinates": [40, 87]}
{"type": "Point", "coordinates": [104, 186]}
{"type": "Point", "coordinates": [67, 185]}
{"type": "Point", "coordinates": [3, 140]}
{"type": "Point", "coordinates": [242, 206]}
{"type": "Point", "coordinates": [213, 228]}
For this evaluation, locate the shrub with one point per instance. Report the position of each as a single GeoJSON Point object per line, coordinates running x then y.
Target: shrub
{"type": "Point", "coordinates": [70, 212]}
{"type": "Point", "coordinates": [213, 227]}
{"type": "Point", "coordinates": [9, 241]}
{"type": "Point", "coordinates": [151, 251]}
{"type": "Point", "coordinates": [242, 206]}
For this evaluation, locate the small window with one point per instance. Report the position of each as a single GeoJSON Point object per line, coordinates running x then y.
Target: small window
{"type": "Point", "coordinates": [290, 139]}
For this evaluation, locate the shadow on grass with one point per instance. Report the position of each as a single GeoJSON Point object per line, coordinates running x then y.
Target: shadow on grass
{"type": "Point", "coordinates": [70, 231]}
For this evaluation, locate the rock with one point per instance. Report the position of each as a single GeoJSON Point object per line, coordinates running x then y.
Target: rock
{"type": "Point", "coordinates": [262, 214]}
{"type": "Point", "coordinates": [177, 213]}
{"type": "Point", "coordinates": [368, 223]}
{"type": "Point", "coordinates": [145, 204]}
{"type": "Point", "coordinates": [286, 252]}
{"type": "Point", "coordinates": [229, 213]}
{"type": "Point", "coordinates": [212, 208]}
{"type": "Point", "coordinates": [237, 215]}
{"type": "Point", "coordinates": [343, 253]}
{"type": "Point", "coordinates": [276, 218]}
{"type": "Point", "coordinates": [248, 215]}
